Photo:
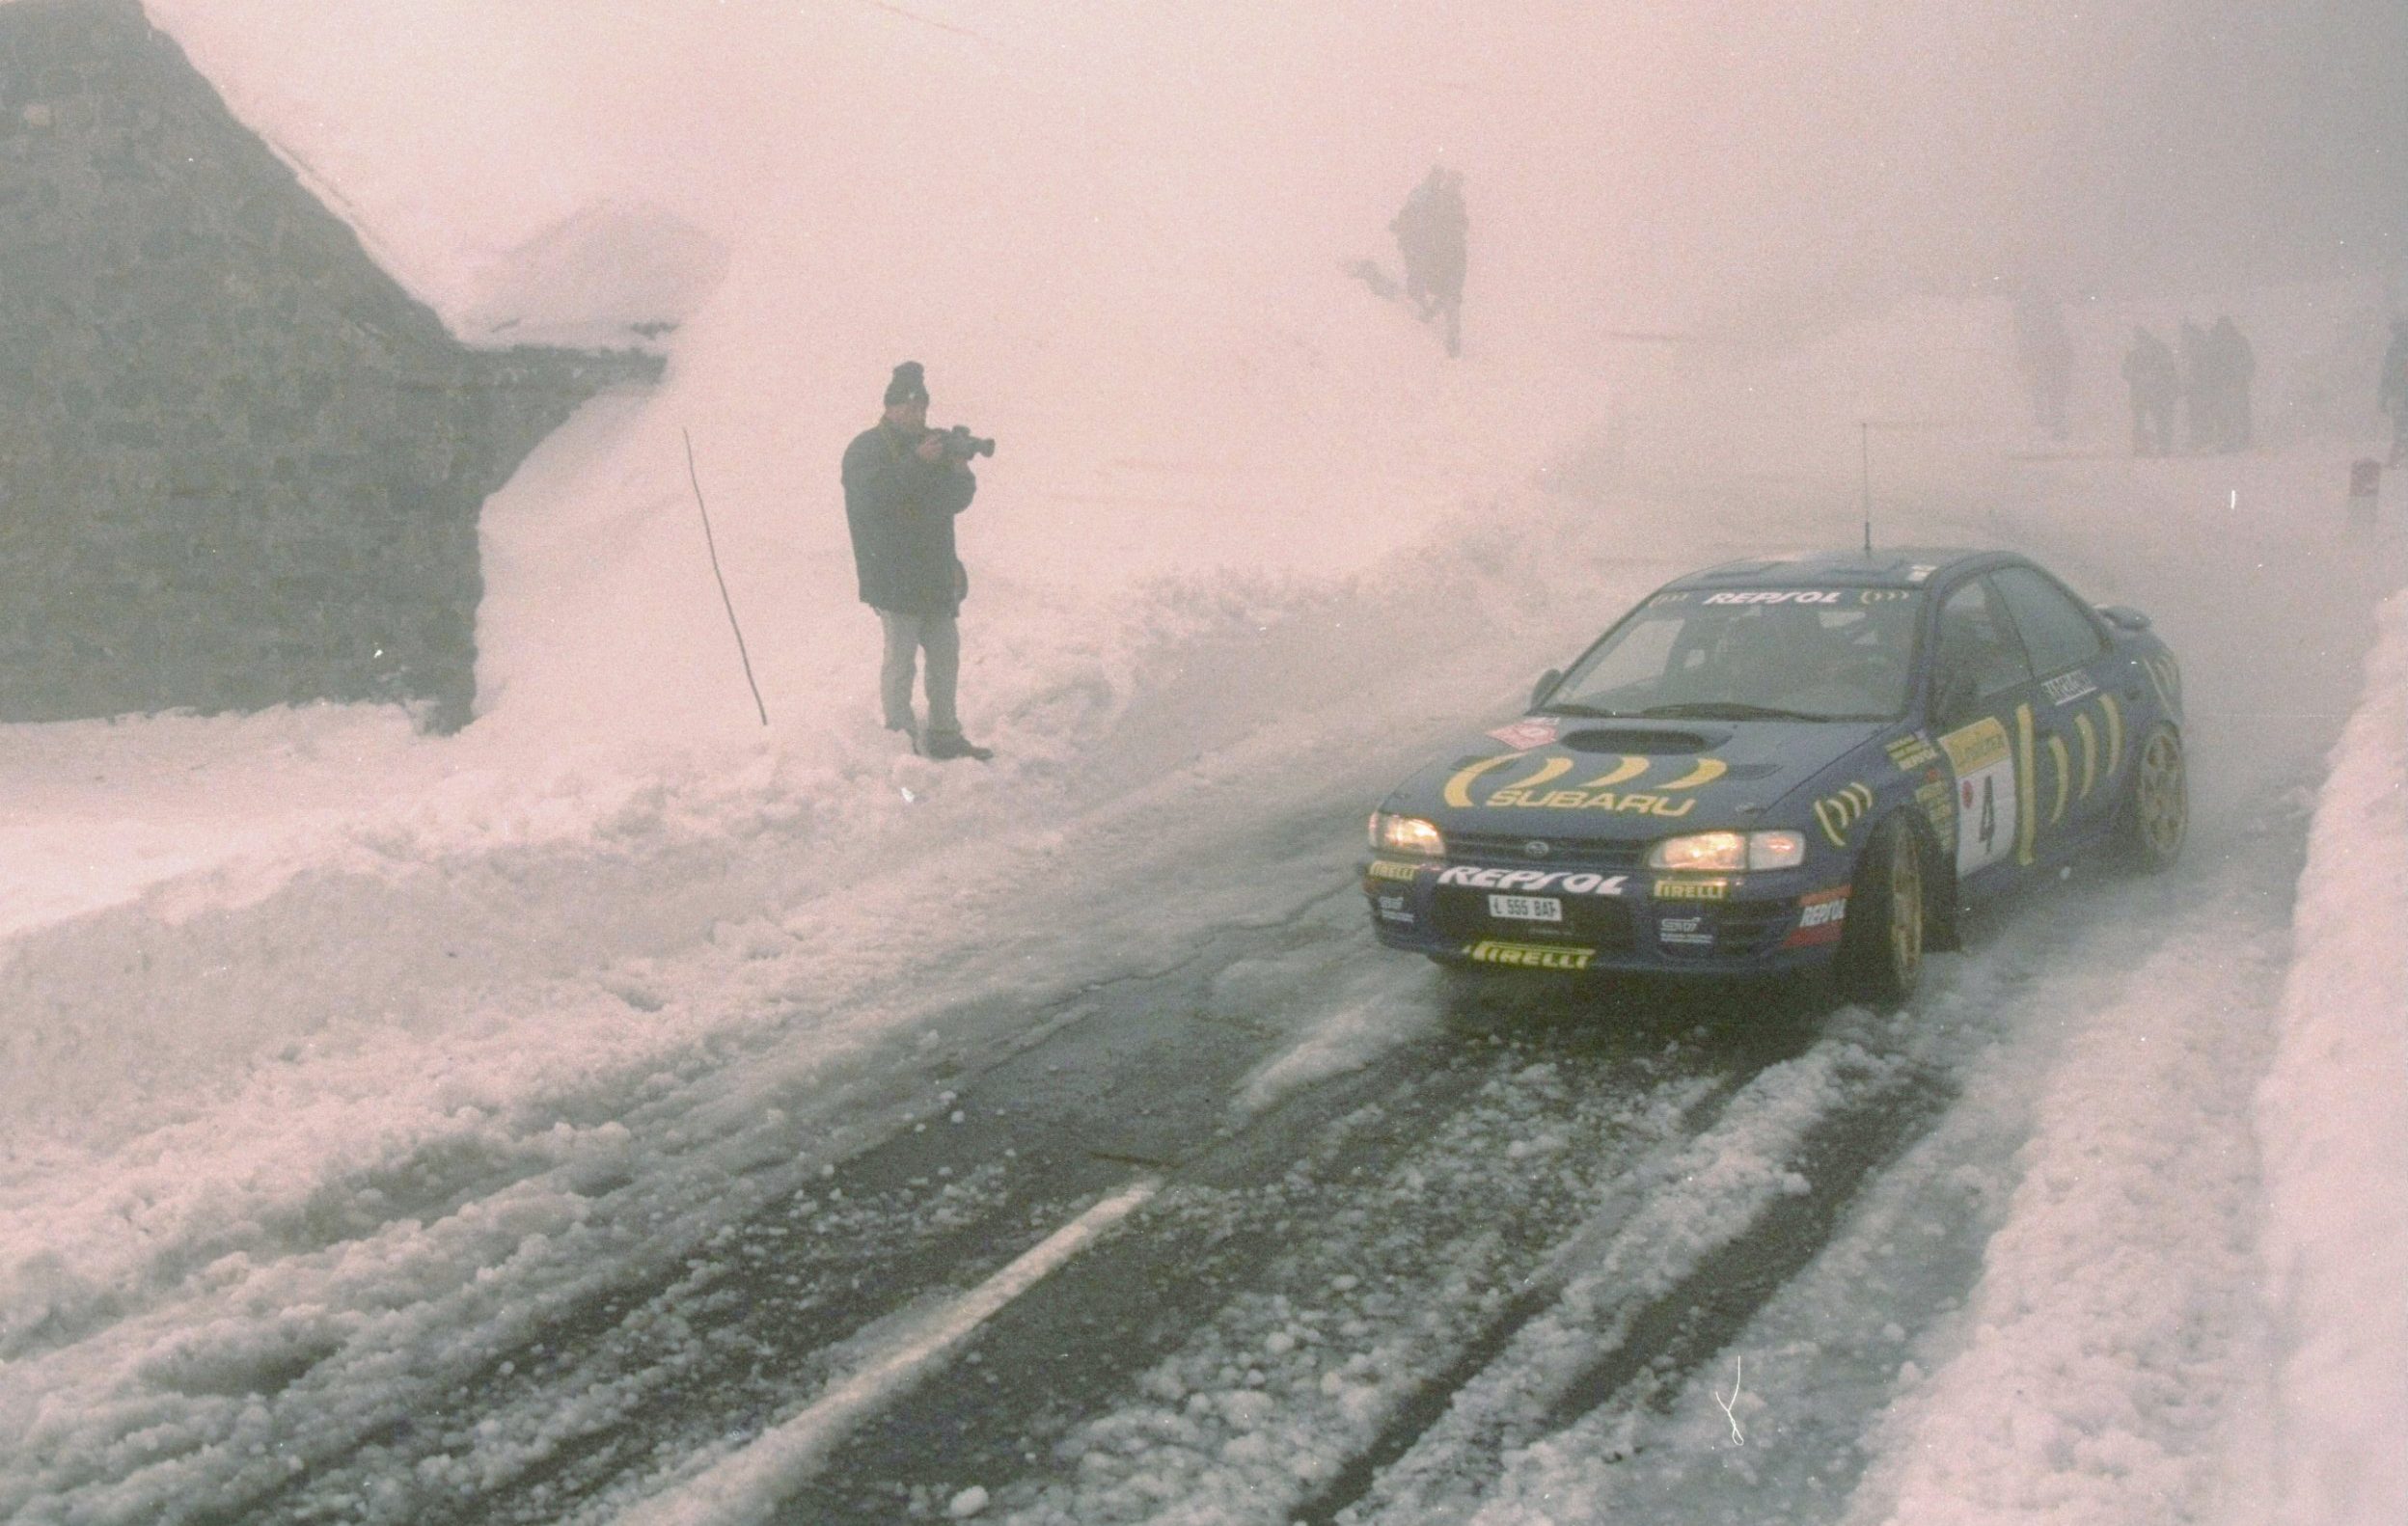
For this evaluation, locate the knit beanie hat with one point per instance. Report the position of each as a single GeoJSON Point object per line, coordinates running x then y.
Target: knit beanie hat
{"type": "Point", "coordinates": [906, 385]}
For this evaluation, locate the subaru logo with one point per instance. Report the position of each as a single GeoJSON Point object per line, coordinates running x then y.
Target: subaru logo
{"type": "Point", "coordinates": [1535, 848]}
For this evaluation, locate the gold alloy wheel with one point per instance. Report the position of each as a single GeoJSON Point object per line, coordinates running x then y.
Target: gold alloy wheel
{"type": "Point", "coordinates": [2161, 807]}
{"type": "Point", "coordinates": [1905, 877]}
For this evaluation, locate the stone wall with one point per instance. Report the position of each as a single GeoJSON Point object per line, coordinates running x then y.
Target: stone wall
{"type": "Point", "coordinates": [240, 466]}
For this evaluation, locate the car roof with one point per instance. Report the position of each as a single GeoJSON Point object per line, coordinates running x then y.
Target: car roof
{"type": "Point", "coordinates": [1905, 567]}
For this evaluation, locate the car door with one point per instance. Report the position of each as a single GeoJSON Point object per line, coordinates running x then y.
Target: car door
{"type": "Point", "coordinates": [2081, 733]}
{"type": "Point", "coordinates": [1981, 709]}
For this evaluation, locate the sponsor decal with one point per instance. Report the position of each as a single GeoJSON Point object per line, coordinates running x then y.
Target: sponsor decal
{"type": "Point", "coordinates": [1392, 910]}
{"type": "Point", "coordinates": [1835, 813]}
{"type": "Point", "coordinates": [1778, 596]}
{"type": "Point", "coordinates": [2067, 688]}
{"type": "Point", "coordinates": [1687, 931]}
{"type": "Point", "coordinates": [1388, 869]}
{"type": "Point", "coordinates": [1534, 731]}
{"type": "Point", "coordinates": [1883, 595]}
{"type": "Point", "coordinates": [1938, 800]}
{"type": "Point", "coordinates": [1678, 596]}
{"type": "Point", "coordinates": [1528, 956]}
{"type": "Point", "coordinates": [1529, 792]}
{"type": "Point", "coordinates": [1977, 746]}
{"type": "Point", "coordinates": [1569, 881]}
{"type": "Point", "coordinates": [1911, 752]}
{"type": "Point", "coordinates": [1692, 890]}
{"type": "Point", "coordinates": [1819, 918]}
{"type": "Point", "coordinates": [1591, 799]}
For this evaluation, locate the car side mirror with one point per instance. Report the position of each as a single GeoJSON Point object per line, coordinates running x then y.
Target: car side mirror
{"type": "Point", "coordinates": [2124, 617]}
{"type": "Point", "coordinates": [1545, 685]}
{"type": "Point", "coordinates": [1953, 697]}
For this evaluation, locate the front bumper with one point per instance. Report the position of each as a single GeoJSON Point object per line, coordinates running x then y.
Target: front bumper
{"type": "Point", "coordinates": [1636, 921]}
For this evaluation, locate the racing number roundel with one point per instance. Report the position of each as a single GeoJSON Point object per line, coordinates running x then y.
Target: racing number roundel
{"type": "Point", "coordinates": [1986, 793]}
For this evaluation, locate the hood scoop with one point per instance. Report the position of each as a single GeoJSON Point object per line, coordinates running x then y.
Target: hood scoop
{"type": "Point", "coordinates": [1638, 743]}
{"type": "Point", "coordinates": [1747, 771]}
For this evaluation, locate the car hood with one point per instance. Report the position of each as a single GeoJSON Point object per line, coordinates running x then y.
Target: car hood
{"type": "Point", "coordinates": [1617, 779]}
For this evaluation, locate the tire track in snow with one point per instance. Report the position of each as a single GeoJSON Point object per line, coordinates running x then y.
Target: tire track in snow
{"type": "Point", "coordinates": [1396, 1234]}
{"type": "Point", "coordinates": [740, 1328]}
{"type": "Point", "coordinates": [1651, 1290]}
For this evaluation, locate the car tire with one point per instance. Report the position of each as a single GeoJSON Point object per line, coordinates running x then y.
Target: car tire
{"type": "Point", "coordinates": [2157, 812]}
{"type": "Point", "coordinates": [1880, 957]}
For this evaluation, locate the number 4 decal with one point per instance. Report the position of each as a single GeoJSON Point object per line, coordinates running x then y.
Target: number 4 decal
{"type": "Point", "coordinates": [1986, 803]}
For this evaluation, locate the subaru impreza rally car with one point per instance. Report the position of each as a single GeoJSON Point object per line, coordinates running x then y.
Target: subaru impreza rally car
{"type": "Point", "coordinates": [1790, 762]}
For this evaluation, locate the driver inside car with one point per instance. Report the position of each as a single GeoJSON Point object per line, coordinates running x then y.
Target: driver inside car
{"type": "Point", "coordinates": [1772, 656]}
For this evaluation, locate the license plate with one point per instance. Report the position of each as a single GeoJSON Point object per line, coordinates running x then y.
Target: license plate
{"type": "Point", "coordinates": [1526, 908]}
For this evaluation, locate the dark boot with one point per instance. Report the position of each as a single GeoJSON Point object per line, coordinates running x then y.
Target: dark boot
{"type": "Point", "coordinates": [947, 745]}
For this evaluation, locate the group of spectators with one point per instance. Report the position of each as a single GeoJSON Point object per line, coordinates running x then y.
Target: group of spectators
{"type": "Point", "coordinates": [2206, 384]}
{"type": "Point", "coordinates": [2197, 391]}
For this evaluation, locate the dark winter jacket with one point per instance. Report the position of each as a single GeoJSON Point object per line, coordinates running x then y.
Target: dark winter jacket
{"type": "Point", "coordinates": [901, 511]}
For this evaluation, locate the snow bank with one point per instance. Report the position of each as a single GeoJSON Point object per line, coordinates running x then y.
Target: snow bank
{"type": "Point", "coordinates": [2109, 1335]}
{"type": "Point", "coordinates": [2233, 1110]}
{"type": "Point", "coordinates": [2333, 1124]}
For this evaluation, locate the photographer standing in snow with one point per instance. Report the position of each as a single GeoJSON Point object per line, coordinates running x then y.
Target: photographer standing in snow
{"type": "Point", "coordinates": [903, 485]}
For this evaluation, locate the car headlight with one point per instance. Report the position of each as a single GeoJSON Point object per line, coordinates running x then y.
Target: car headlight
{"type": "Point", "coordinates": [1730, 851]}
{"type": "Point", "coordinates": [1392, 834]}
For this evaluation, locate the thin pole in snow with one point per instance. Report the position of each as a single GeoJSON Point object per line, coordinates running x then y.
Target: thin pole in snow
{"type": "Point", "coordinates": [713, 547]}
{"type": "Point", "coordinates": [1863, 440]}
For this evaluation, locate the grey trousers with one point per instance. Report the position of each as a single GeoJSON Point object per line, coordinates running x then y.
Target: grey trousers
{"type": "Point", "coordinates": [907, 636]}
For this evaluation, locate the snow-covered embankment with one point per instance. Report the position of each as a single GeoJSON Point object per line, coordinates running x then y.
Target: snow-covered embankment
{"type": "Point", "coordinates": [2333, 1124]}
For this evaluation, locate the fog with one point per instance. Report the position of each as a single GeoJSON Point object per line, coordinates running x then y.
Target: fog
{"type": "Point", "coordinates": [1658, 161]}
{"type": "Point", "coordinates": [1117, 239]}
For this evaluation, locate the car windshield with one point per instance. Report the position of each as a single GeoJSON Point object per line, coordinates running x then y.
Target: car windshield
{"type": "Point", "coordinates": [1789, 654]}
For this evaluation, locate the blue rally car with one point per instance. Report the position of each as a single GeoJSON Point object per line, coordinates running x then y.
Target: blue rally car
{"type": "Point", "coordinates": [1793, 762]}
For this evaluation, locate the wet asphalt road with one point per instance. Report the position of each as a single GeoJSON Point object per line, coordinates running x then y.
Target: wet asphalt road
{"type": "Point", "coordinates": [1397, 1224]}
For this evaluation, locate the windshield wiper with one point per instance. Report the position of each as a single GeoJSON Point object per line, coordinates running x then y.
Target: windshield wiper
{"type": "Point", "coordinates": [1728, 710]}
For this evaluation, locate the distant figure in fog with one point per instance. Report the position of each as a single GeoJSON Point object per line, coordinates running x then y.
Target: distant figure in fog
{"type": "Point", "coordinates": [1432, 234]}
{"type": "Point", "coordinates": [2044, 354]}
{"type": "Point", "coordinates": [2198, 405]}
{"type": "Point", "coordinates": [2391, 393]}
{"type": "Point", "coordinates": [2157, 386]}
{"type": "Point", "coordinates": [2233, 366]}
